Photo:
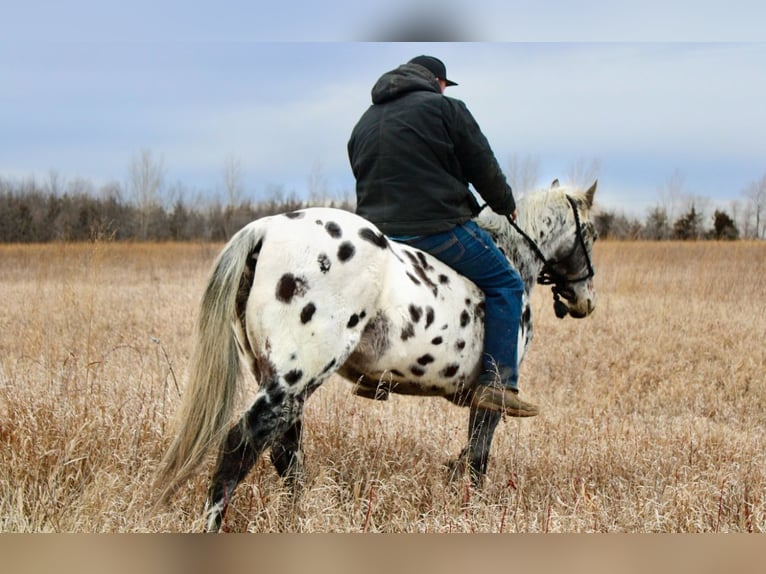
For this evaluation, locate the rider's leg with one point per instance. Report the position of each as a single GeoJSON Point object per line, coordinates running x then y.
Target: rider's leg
{"type": "Point", "coordinates": [470, 251]}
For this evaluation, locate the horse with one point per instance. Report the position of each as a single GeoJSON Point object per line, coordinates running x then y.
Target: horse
{"type": "Point", "coordinates": [298, 296]}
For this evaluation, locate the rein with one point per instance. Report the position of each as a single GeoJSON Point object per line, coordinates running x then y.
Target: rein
{"type": "Point", "coordinates": [548, 274]}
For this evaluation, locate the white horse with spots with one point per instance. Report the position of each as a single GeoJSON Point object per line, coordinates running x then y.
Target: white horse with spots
{"type": "Point", "coordinates": [299, 296]}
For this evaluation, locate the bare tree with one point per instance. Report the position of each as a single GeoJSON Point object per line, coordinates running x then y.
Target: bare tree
{"type": "Point", "coordinates": [146, 178]}
{"type": "Point", "coordinates": [755, 193]}
{"type": "Point", "coordinates": [735, 206]}
{"type": "Point", "coordinates": [671, 194]}
{"type": "Point", "coordinates": [657, 224]}
{"type": "Point", "coordinates": [522, 173]}
{"type": "Point", "coordinates": [232, 181]}
{"type": "Point", "coordinates": [55, 183]}
{"type": "Point", "coordinates": [317, 185]}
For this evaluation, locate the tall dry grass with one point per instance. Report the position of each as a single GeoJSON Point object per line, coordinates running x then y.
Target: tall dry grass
{"type": "Point", "coordinates": [653, 409]}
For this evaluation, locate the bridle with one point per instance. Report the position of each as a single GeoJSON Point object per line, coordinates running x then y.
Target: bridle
{"type": "Point", "coordinates": [549, 275]}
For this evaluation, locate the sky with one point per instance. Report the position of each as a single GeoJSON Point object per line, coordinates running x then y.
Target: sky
{"type": "Point", "coordinates": [651, 92]}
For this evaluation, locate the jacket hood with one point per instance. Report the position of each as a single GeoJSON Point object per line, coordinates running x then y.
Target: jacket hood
{"type": "Point", "coordinates": [404, 79]}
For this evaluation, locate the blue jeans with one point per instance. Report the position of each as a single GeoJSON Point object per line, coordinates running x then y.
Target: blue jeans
{"type": "Point", "coordinates": [470, 251]}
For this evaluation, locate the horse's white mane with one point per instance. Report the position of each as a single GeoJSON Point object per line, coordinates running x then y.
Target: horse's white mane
{"type": "Point", "coordinates": [532, 210]}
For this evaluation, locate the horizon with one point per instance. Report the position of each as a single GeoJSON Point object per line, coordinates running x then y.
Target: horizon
{"type": "Point", "coordinates": [651, 107]}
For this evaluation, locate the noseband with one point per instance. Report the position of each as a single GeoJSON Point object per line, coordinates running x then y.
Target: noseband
{"type": "Point", "coordinates": [548, 274]}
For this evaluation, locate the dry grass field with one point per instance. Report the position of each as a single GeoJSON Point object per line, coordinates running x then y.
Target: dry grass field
{"type": "Point", "coordinates": [653, 409]}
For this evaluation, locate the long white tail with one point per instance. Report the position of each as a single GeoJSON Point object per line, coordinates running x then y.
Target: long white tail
{"type": "Point", "coordinates": [215, 376]}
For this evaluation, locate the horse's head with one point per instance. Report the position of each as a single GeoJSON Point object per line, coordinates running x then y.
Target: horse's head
{"type": "Point", "coordinates": [552, 245]}
{"type": "Point", "coordinates": [569, 266]}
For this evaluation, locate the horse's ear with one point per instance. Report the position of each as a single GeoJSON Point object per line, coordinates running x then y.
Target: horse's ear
{"type": "Point", "coordinates": [590, 193]}
{"type": "Point", "coordinates": [555, 184]}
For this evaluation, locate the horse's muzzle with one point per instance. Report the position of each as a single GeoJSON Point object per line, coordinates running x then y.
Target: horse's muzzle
{"type": "Point", "coordinates": [580, 312]}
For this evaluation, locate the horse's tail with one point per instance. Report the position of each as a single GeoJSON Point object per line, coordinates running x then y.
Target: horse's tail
{"type": "Point", "coordinates": [215, 376]}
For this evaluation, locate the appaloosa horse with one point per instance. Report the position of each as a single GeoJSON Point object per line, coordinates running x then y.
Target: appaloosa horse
{"type": "Point", "coordinates": [299, 296]}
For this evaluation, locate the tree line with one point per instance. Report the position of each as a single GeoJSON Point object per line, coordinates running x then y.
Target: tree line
{"type": "Point", "coordinates": [678, 213]}
{"type": "Point", "coordinates": [30, 213]}
{"type": "Point", "coordinates": [146, 209]}
{"type": "Point", "coordinates": [33, 214]}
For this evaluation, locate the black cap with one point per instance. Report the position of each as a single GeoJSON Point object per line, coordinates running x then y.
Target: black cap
{"type": "Point", "coordinates": [433, 65]}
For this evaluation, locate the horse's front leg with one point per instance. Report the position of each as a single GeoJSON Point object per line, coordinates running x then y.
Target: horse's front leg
{"type": "Point", "coordinates": [481, 428]}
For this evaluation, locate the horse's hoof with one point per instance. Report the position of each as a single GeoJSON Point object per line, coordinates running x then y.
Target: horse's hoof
{"type": "Point", "coordinates": [456, 469]}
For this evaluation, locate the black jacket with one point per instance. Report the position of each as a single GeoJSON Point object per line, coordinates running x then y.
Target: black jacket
{"type": "Point", "coordinates": [413, 154]}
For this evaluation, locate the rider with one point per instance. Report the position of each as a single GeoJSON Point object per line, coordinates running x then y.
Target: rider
{"type": "Point", "coordinates": [413, 154]}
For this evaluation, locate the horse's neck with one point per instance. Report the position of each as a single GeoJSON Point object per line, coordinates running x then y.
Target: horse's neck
{"type": "Point", "coordinates": [542, 225]}
{"type": "Point", "coordinates": [524, 258]}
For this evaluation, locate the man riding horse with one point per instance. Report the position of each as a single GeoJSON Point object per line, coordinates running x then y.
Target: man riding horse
{"type": "Point", "coordinates": [413, 154]}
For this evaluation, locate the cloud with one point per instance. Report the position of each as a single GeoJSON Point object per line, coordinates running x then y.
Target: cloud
{"type": "Point", "coordinates": [643, 109]}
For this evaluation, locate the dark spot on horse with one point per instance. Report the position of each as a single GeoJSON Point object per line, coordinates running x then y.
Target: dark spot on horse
{"type": "Point", "coordinates": [416, 312]}
{"type": "Point", "coordinates": [246, 283]}
{"type": "Point", "coordinates": [443, 279]}
{"type": "Point", "coordinates": [527, 315]}
{"type": "Point", "coordinates": [450, 370]}
{"type": "Point", "coordinates": [467, 302]}
{"type": "Point", "coordinates": [295, 214]}
{"type": "Point", "coordinates": [293, 376]}
{"type": "Point", "coordinates": [353, 321]}
{"type": "Point", "coordinates": [293, 356]}
{"type": "Point", "coordinates": [377, 239]}
{"type": "Point", "coordinates": [310, 387]}
{"type": "Point", "coordinates": [436, 341]}
{"type": "Point", "coordinates": [460, 345]}
{"type": "Point", "coordinates": [256, 413]}
{"type": "Point", "coordinates": [363, 314]}
{"type": "Point", "coordinates": [324, 262]}
{"type": "Point", "coordinates": [429, 316]}
{"type": "Point", "coordinates": [465, 318]}
{"type": "Point", "coordinates": [319, 222]}
{"type": "Point", "coordinates": [290, 286]}
{"type": "Point", "coordinates": [333, 229]}
{"type": "Point", "coordinates": [414, 279]}
{"type": "Point", "coordinates": [377, 331]}
{"type": "Point", "coordinates": [328, 366]}
{"type": "Point", "coordinates": [479, 310]}
{"type": "Point", "coordinates": [424, 261]}
{"type": "Point", "coordinates": [421, 273]}
{"type": "Point", "coordinates": [425, 359]}
{"type": "Point", "coordinates": [408, 331]}
{"type": "Point", "coordinates": [417, 371]}
{"type": "Point", "coordinates": [276, 393]}
{"type": "Point", "coordinates": [307, 313]}
{"type": "Point", "coordinates": [346, 251]}
{"type": "Point", "coordinates": [397, 373]}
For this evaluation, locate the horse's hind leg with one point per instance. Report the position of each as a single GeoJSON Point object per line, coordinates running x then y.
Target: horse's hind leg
{"type": "Point", "coordinates": [481, 428]}
{"type": "Point", "coordinates": [236, 458]}
{"type": "Point", "coordinates": [287, 455]}
{"type": "Point", "coordinates": [273, 413]}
